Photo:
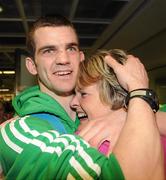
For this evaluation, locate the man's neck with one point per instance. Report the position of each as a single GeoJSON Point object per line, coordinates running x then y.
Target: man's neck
{"type": "Point", "coordinates": [64, 100]}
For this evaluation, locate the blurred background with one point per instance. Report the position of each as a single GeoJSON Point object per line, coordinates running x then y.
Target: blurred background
{"type": "Point", "coordinates": [138, 26]}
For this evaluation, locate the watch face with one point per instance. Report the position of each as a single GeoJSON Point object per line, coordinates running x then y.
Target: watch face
{"type": "Point", "coordinates": [154, 100]}
{"type": "Point", "coordinates": [147, 94]}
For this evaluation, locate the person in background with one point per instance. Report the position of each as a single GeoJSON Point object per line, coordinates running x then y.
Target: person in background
{"type": "Point", "coordinates": [3, 116]}
{"type": "Point", "coordinates": [39, 143]}
{"type": "Point", "coordinates": [9, 110]}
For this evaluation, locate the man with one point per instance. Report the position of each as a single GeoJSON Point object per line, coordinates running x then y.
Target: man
{"type": "Point", "coordinates": [34, 145]}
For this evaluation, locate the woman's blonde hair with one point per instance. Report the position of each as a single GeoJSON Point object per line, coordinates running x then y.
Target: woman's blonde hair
{"type": "Point", "coordinates": [95, 70]}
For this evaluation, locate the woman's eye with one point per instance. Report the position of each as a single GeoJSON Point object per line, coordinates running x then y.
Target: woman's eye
{"type": "Point", "coordinates": [83, 94]}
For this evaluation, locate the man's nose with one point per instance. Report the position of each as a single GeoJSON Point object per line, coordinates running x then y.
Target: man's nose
{"type": "Point", "coordinates": [62, 57]}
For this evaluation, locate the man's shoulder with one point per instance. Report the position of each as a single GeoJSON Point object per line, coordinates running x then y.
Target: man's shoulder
{"type": "Point", "coordinates": [26, 123]}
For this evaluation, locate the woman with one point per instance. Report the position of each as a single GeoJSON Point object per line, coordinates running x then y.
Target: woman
{"type": "Point", "coordinates": [101, 95]}
{"type": "Point", "coordinates": [102, 98]}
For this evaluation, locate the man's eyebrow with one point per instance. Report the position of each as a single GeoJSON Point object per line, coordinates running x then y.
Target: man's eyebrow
{"type": "Point", "coordinates": [54, 47]}
{"type": "Point", "coordinates": [46, 47]}
{"type": "Point", "coordinates": [72, 44]}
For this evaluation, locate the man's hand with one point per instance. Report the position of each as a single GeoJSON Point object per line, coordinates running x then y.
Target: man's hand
{"type": "Point", "coordinates": [132, 75]}
{"type": "Point", "coordinates": [104, 128]}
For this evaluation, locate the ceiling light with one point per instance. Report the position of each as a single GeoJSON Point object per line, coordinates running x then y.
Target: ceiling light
{"type": "Point", "coordinates": [4, 90]}
{"type": "Point", "coordinates": [1, 9]}
{"type": "Point", "coordinates": [8, 72]}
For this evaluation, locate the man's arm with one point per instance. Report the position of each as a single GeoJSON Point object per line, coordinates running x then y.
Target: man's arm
{"type": "Point", "coordinates": [139, 142]}
{"type": "Point", "coordinates": [30, 149]}
{"type": "Point", "coordinates": [100, 125]}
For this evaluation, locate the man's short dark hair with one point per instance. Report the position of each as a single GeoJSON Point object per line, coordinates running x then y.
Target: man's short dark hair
{"type": "Point", "coordinates": [55, 20]}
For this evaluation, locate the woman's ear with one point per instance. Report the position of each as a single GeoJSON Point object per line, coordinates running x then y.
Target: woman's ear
{"type": "Point", "coordinates": [31, 66]}
{"type": "Point", "coordinates": [82, 56]}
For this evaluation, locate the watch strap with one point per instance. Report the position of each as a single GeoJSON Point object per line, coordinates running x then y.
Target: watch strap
{"type": "Point", "coordinates": [146, 94]}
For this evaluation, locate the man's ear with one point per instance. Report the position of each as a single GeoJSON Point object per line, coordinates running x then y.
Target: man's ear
{"type": "Point", "coordinates": [82, 56]}
{"type": "Point", "coordinates": [31, 66]}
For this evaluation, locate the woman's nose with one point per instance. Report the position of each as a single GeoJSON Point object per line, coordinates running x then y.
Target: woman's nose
{"type": "Point", "coordinates": [74, 103]}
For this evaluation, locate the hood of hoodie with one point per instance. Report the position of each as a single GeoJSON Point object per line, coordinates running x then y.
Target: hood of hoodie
{"type": "Point", "coordinates": [32, 100]}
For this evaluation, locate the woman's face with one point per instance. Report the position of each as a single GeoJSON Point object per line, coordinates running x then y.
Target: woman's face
{"type": "Point", "coordinates": [89, 100]}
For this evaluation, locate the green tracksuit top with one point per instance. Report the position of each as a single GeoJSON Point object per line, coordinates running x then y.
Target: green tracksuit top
{"type": "Point", "coordinates": [30, 148]}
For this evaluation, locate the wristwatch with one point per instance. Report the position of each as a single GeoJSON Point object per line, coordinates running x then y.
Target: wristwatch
{"type": "Point", "coordinates": [146, 94]}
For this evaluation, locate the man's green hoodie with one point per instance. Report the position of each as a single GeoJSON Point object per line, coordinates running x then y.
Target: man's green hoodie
{"type": "Point", "coordinates": [32, 101]}
{"type": "Point", "coordinates": [31, 148]}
